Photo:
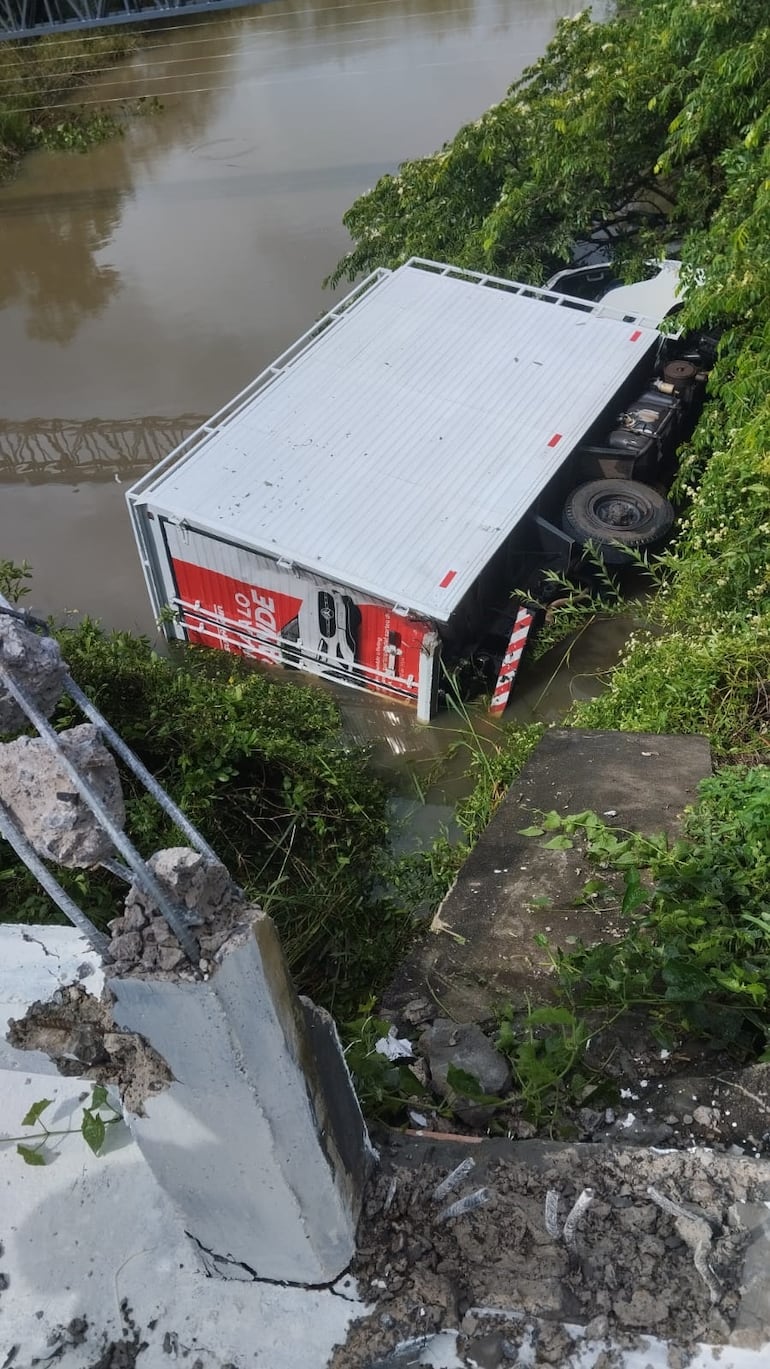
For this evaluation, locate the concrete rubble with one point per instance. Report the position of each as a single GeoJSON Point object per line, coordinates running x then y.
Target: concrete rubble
{"type": "Point", "coordinates": [446, 1044]}
{"type": "Point", "coordinates": [78, 1032]}
{"type": "Point", "coordinates": [37, 668]}
{"type": "Point", "coordinates": [43, 802]}
{"type": "Point", "coordinates": [577, 1257]}
{"type": "Point", "coordinates": [142, 942]}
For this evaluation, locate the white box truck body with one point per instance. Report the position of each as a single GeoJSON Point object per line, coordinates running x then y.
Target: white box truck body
{"type": "Point", "coordinates": [353, 510]}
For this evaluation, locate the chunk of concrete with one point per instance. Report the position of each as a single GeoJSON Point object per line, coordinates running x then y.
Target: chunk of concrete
{"type": "Point", "coordinates": [43, 802]}
{"type": "Point", "coordinates": [464, 1046]}
{"type": "Point", "coordinates": [77, 1031]}
{"type": "Point", "coordinates": [143, 943]}
{"type": "Point", "coordinates": [36, 666]}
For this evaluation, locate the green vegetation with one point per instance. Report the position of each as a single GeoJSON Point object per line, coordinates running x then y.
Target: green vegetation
{"type": "Point", "coordinates": [691, 961]}
{"type": "Point", "coordinates": [41, 74]}
{"type": "Point", "coordinates": [697, 949]}
{"type": "Point", "coordinates": [38, 1146]}
{"type": "Point", "coordinates": [649, 129]}
{"type": "Point", "coordinates": [260, 767]}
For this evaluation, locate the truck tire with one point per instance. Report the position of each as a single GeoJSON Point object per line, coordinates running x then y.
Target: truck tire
{"type": "Point", "coordinates": [617, 514]}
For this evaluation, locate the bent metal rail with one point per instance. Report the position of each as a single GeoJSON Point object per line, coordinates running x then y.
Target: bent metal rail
{"type": "Point", "coordinates": [31, 18]}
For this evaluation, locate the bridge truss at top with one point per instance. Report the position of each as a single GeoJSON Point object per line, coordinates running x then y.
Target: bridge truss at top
{"type": "Point", "coordinates": [31, 18]}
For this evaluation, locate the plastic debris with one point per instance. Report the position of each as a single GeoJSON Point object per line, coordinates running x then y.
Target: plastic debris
{"type": "Point", "coordinates": [394, 1047]}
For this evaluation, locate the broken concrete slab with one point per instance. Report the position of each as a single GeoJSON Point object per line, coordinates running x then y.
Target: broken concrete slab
{"type": "Point", "coordinates": [578, 1256]}
{"type": "Point", "coordinates": [78, 1032]}
{"type": "Point", "coordinates": [36, 666]}
{"type": "Point", "coordinates": [35, 962]}
{"type": "Point", "coordinates": [44, 804]}
{"type": "Point", "coordinates": [97, 1269]}
{"type": "Point", "coordinates": [481, 948]}
{"type": "Point", "coordinates": [258, 1139]}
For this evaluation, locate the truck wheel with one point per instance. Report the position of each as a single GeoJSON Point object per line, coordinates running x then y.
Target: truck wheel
{"type": "Point", "coordinates": [617, 514]}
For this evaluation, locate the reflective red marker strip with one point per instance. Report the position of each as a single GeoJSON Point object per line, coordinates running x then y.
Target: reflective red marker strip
{"type": "Point", "coordinates": [511, 659]}
{"type": "Point", "coordinates": [636, 336]}
{"type": "Point", "coordinates": [447, 580]}
{"type": "Point", "coordinates": [555, 440]}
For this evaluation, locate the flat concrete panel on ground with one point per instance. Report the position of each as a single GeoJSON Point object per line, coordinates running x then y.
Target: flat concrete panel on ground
{"type": "Point", "coordinates": [481, 946]}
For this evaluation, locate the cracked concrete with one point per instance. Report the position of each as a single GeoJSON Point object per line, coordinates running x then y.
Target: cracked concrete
{"type": "Point", "coordinates": [259, 1137]}
{"type": "Point", "coordinates": [98, 1242]}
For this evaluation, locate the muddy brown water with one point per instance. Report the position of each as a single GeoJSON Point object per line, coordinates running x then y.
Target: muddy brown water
{"type": "Point", "coordinates": [154, 276]}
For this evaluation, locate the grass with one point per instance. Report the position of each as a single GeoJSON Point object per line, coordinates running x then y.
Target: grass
{"type": "Point", "coordinates": [45, 72]}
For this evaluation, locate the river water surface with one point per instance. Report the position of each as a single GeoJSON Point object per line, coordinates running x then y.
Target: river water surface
{"type": "Point", "coordinates": [158, 273]}
{"type": "Point", "coordinates": [154, 276]}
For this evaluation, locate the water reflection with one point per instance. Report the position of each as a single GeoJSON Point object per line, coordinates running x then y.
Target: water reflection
{"type": "Point", "coordinates": [58, 219]}
{"type": "Point", "coordinates": [50, 269]}
{"type": "Point", "coordinates": [65, 208]}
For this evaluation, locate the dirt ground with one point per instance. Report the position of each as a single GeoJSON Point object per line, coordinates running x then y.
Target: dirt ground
{"type": "Point", "coordinates": [620, 1264]}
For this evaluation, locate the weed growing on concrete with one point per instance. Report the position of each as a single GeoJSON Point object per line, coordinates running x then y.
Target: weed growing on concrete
{"type": "Point", "coordinates": [694, 955]}
{"type": "Point", "coordinates": [36, 1146]}
{"type": "Point", "coordinates": [545, 1046]}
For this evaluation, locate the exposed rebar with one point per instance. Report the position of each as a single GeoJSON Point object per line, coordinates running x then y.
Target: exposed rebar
{"type": "Point", "coordinates": [116, 744]}
{"type": "Point", "coordinates": [467, 1204]}
{"type": "Point", "coordinates": [10, 833]}
{"type": "Point", "coordinates": [573, 1218]}
{"type": "Point", "coordinates": [142, 875]}
{"type": "Point", "coordinates": [452, 1179]}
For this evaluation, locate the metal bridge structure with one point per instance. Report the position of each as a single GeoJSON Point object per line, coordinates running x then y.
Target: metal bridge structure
{"type": "Point", "coordinates": [64, 449]}
{"type": "Point", "coordinates": [32, 18]}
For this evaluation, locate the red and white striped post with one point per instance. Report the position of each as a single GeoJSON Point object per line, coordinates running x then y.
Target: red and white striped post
{"type": "Point", "coordinates": [502, 691]}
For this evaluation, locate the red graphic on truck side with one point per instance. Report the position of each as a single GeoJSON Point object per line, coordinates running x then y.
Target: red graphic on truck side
{"type": "Point", "coordinates": [317, 627]}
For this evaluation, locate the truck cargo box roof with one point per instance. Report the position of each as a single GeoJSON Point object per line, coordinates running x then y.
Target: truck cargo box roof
{"type": "Point", "coordinates": [398, 444]}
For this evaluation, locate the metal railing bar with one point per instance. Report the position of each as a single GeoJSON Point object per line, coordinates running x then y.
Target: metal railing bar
{"type": "Point", "coordinates": [116, 867]}
{"type": "Point", "coordinates": [142, 875]}
{"type": "Point", "coordinates": [10, 833]}
{"type": "Point", "coordinates": [133, 762]}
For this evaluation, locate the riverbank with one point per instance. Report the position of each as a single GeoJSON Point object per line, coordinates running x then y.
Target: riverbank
{"type": "Point", "coordinates": [671, 100]}
{"type": "Point", "coordinates": [39, 78]}
{"type": "Point", "coordinates": [649, 128]}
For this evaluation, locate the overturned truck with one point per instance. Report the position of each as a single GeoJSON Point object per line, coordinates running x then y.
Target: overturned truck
{"type": "Point", "coordinates": [378, 497]}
